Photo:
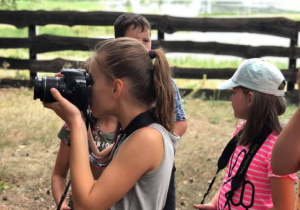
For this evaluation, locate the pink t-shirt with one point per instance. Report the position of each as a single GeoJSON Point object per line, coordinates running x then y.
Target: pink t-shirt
{"type": "Point", "coordinates": [255, 191]}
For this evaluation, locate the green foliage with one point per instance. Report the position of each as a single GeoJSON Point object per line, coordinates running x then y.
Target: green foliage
{"type": "Point", "coordinates": [11, 31]}
{"type": "Point", "coordinates": [77, 31]}
{"type": "Point", "coordinates": [21, 74]}
{"type": "Point", "coordinates": [198, 62]}
{"type": "Point", "coordinates": [292, 16]}
{"type": "Point", "coordinates": [195, 61]}
{"type": "Point", "coordinates": [54, 5]}
{"type": "Point", "coordinates": [8, 4]}
{"type": "Point", "coordinates": [290, 110]}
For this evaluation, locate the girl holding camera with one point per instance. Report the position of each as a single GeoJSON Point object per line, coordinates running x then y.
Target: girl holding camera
{"type": "Point", "coordinates": [100, 136]}
{"type": "Point", "coordinates": [138, 91]}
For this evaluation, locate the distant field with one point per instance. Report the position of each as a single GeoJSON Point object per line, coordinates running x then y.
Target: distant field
{"type": "Point", "coordinates": [109, 5]}
{"type": "Point", "coordinates": [55, 5]}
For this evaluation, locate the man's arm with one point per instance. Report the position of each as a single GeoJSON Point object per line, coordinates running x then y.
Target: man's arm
{"type": "Point", "coordinates": [180, 127]}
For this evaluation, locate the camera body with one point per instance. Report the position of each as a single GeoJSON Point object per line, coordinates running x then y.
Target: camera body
{"type": "Point", "coordinates": [74, 86]}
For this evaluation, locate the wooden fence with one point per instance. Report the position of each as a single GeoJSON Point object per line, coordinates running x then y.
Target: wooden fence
{"type": "Point", "coordinates": [36, 44]}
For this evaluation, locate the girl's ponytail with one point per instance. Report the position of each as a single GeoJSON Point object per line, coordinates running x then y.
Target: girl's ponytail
{"type": "Point", "coordinates": [148, 73]}
{"type": "Point", "coordinates": [164, 91]}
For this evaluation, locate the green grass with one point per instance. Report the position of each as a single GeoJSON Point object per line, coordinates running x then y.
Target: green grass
{"type": "Point", "coordinates": [66, 54]}
{"type": "Point", "coordinates": [13, 32]}
{"type": "Point", "coordinates": [59, 30]}
{"type": "Point", "coordinates": [196, 62]}
{"type": "Point", "coordinates": [292, 16]}
{"type": "Point", "coordinates": [291, 108]}
{"type": "Point", "coordinates": [2, 186]}
{"type": "Point", "coordinates": [105, 5]}
{"type": "Point", "coordinates": [77, 31]}
{"type": "Point", "coordinates": [15, 53]}
{"type": "Point", "coordinates": [57, 5]}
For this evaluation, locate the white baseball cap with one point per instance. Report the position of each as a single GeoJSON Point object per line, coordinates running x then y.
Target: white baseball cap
{"type": "Point", "coordinates": [256, 74]}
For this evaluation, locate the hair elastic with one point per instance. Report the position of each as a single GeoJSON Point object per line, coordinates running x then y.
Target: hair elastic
{"type": "Point", "coordinates": [152, 54]}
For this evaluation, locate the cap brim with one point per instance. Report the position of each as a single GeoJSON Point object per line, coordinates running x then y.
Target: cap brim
{"type": "Point", "coordinates": [227, 84]}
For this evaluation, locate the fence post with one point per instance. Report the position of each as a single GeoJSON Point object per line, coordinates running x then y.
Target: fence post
{"type": "Point", "coordinates": [160, 35]}
{"type": "Point", "coordinates": [293, 61]}
{"type": "Point", "coordinates": [32, 56]}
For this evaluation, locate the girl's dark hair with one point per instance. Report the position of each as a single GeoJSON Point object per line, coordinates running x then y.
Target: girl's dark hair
{"type": "Point", "coordinates": [126, 20]}
{"type": "Point", "coordinates": [149, 81]}
{"type": "Point", "coordinates": [263, 114]}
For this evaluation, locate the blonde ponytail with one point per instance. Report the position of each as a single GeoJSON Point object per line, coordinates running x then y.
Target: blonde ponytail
{"type": "Point", "coordinates": [150, 80]}
{"type": "Point", "coordinates": [164, 91]}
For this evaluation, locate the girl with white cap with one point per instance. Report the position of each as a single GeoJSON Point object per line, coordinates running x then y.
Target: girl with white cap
{"type": "Point", "coordinates": [249, 183]}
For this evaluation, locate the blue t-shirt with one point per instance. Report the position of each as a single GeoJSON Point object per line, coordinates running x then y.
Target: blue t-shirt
{"type": "Point", "coordinates": [179, 114]}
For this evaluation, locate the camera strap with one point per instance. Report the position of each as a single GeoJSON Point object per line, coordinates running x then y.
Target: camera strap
{"type": "Point", "coordinates": [63, 195]}
{"type": "Point", "coordinates": [222, 162]}
{"type": "Point", "coordinates": [240, 174]}
{"type": "Point", "coordinates": [142, 120]}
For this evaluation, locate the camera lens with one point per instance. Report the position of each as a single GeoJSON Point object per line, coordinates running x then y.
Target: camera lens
{"type": "Point", "coordinates": [43, 85]}
{"type": "Point", "coordinates": [37, 88]}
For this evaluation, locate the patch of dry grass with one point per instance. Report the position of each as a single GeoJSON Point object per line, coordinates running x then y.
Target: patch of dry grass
{"type": "Point", "coordinates": [210, 125]}
{"type": "Point", "coordinates": [24, 120]}
{"type": "Point", "coordinates": [27, 143]}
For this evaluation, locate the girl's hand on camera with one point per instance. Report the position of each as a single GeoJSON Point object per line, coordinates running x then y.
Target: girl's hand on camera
{"type": "Point", "coordinates": [59, 74]}
{"type": "Point", "coordinates": [63, 108]}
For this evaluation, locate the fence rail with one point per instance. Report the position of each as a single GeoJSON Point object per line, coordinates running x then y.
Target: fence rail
{"type": "Point", "coordinates": [166, 24]}
{"type": "Point", "coordinates": [36, 44]}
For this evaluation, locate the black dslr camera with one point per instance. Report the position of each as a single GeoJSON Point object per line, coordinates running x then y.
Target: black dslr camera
{"type": "Point", "coordinates": [74, 86]}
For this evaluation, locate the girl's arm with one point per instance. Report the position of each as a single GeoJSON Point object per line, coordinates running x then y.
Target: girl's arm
{"type": "Point", "coordinates": [133, 159]}
{"type": "Point", "coordinates": [60, 171]}
{"type": "Point", "coordinates": [141, 153]}
{"type": "Point", "coordinates": [180, 127]}
{"type": "Point", "coordinates": [286, 151]}
{"type": "Point", "coordinates": [104, 153]}
{"type": "Point", "coordinates": [283, 194]}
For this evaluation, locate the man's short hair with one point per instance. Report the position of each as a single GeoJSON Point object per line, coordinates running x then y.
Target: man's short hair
{"type": "Point", "coordinates": [126, 20]}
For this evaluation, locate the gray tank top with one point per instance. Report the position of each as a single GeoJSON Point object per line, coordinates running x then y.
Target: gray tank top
{"type": "Point", "coordinates": [150, 192]}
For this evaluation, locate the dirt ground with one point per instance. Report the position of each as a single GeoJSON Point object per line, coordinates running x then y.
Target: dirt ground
{"type": "Point", "coordinates": [27, 159]}
{"type": "Point", "coordinates": [28, 149]}
{"type": "Point", "coordinates": [27, 172]}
